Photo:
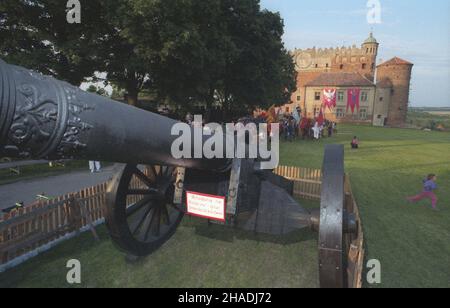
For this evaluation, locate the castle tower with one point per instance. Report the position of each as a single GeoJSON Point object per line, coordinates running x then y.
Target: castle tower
{"type": "Point", "coordinates": [370, 49]}
{"type": "Point", "coordinates": [398, 73]}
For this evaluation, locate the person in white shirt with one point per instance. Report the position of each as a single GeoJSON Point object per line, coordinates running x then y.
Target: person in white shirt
{"type": "Point", "coordinates": [316, 130]}
{"type": "Point", "coordinates": [94, 166]}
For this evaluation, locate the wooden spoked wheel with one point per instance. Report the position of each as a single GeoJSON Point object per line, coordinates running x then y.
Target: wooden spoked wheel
{"type": "Point", "coordinates": [140, 213]}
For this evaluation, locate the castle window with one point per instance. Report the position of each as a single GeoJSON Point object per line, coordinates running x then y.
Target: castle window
{"type": "Point", "coordinates": [367, 50]}
{"type": "Point", "coordinates": [298, 98]}
{"type": "Point", "coordinates": [381, 99]}
{"type": "Point", "coordinates": [316, 111]}
{"type": "Point", "coordinates": [317, 96]}
{"type": "Point", "coordinates": [364, 66]}
{"type": "Point", "coordinates": [317, 65]}
{"type": "Point", "coordinates": [341, 67]}
{"type": "Point", "coordinates": [364, 96]}
{"type": "Point", "coordinates": [362, 114]}
{"type": "Point", "coordinates": [327, 65]}
{"type": "Point", "coordinates": [373, 65]}
{"type": "Point", "coordinates": [340, 96]}
{"type": "Point", "coordinates": [340, 113]}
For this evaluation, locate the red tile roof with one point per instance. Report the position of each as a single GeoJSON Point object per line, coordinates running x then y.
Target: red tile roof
{"type": "Point", "coordinates": [340, 79]}
{"type": "Point", "coordinates": [396, 61]}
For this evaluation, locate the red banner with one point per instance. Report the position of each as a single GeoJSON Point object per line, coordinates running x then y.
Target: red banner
{"type": "Point", "coordinates": [329, 98]}
{"type": "Point", "coordinates": [353, 99]}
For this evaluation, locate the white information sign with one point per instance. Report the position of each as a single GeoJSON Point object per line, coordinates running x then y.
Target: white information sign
{"type": "Point", "coordinates": [206, 206]}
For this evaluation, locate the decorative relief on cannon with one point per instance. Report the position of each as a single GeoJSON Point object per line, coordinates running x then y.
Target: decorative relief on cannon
{"type": "Point", "coordinates": [34, 120]}
{"type": "Point", "coordinates": [43, 115]}
{"type": "Point", "coordinates": [70, 143]}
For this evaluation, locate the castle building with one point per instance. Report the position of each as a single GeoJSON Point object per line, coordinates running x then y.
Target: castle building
{"type": "Point", "coordinates": [382, 91]}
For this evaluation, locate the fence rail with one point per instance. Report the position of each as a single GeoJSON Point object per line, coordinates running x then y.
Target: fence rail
{"type": "Point", "coordinates": [307, 181]}
{"type": "Point", "coordinates": [354, 244]}
{"type": "Point", "coordinates": [41, 223]}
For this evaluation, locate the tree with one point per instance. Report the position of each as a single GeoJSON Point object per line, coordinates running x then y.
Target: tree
{"type": "Point", "coordinates": [225, 52]}
{"type": "Point", "coordinates": [125, 67]}
{"type": "Point", "coordinates": [263, 73]}
{"type": "Point", "coordinates": [36, 34]}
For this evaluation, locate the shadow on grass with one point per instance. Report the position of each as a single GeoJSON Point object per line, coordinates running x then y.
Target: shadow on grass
{"type": "Point", "coordinates": [230, 234]}
{"type": "Point", "coordinates": [390, 146]}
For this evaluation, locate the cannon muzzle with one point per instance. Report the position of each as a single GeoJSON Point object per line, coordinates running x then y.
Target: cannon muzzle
{"type": "Point", "coordinates": [41, 117]}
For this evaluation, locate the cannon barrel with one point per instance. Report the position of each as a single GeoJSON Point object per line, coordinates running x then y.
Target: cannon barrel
{"type": "Point", "coordinates": [41, 117]}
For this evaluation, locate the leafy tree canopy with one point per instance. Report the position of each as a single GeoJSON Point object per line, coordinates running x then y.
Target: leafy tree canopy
{"type": "Point", "coordinates": [219, 51]}
{"type": "Point", "coordinates": [224, 52]}
{"type": "Point", "coordinates": [36, 34]}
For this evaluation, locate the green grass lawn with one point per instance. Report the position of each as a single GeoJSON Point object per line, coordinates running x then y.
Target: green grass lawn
{"type": "Point", "coordinates": [411, 241]}
{"type": "Point", "coordinates": [197, 256]}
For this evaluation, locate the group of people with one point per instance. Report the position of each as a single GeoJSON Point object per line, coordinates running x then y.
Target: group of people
{"type": "Point", "coordinates": [316, 129]}
{"type": "Point", "coordinates": [293, 125]}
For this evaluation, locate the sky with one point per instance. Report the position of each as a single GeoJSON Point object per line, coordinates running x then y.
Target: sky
{"type": "Point", "coordinates": [414, 30]}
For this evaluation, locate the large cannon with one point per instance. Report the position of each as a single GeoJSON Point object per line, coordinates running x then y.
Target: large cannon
{"type": "Point", "coordinates": [41, 117]}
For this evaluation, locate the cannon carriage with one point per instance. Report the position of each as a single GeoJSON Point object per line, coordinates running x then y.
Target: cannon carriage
{"type": "Point", "coordinates": [41, 117]}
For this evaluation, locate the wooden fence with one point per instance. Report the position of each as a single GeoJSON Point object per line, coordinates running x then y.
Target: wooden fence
{"type": "Point", "coordinates": [354, 245]}
{"type": "Point", "coordinates": [39, 224]}
{"type": "Point", "coordinates": [307, 181]}
{"type": "Point", "coordinates": [43, 222]}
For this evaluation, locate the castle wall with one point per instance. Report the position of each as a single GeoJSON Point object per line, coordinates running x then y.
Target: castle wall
{"type": "Point", "coordinates": [344, 59]}
{"type": "Point", "coordinates": [388, 103]}
{"type": "Point", "coordinates": [381, 106]}
{"type": "Point", "coordinates": [311, 62]}
{"type": "Point", "coordinates": [340, 113]}
{"type": "Point", "coordinates": [302, 79]}
{"type": "Point", "coordinates": [400, 77]}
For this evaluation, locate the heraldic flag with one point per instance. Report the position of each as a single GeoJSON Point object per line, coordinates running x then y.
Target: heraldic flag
{"type": "Point", "coordinates": [320, 119]}
{"type": "Point", "coordinates": [329, 98]}
{"type": "Point", "coordinates": [353, 99]}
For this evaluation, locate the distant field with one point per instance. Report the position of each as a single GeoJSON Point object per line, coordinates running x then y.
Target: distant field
{"type": "Point", "coordinates": [440, 113]}
{"type": "Point", "coordinates": [430, 119]}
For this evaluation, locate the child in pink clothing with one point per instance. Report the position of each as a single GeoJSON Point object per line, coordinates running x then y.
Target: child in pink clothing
{"type": "Point", "coordinates": [429, 186]}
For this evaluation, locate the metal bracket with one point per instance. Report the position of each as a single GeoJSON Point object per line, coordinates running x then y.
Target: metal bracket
{"type": "Point", "coordinates": [179, 186]}
{"type": "Point", "coordinates": [233, 189]}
